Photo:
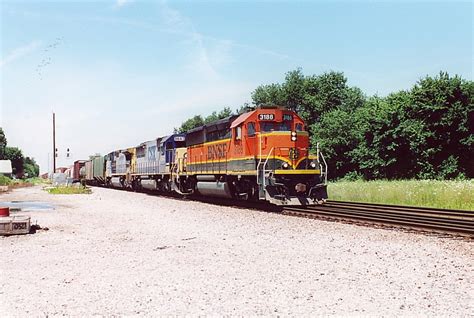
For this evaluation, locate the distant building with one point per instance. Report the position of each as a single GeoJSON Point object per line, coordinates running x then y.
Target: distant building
{"type": "Point", "coordinates": [6, 168]}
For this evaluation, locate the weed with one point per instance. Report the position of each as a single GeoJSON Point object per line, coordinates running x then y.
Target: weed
{"type": "Point", "coordinates": [68, 190]}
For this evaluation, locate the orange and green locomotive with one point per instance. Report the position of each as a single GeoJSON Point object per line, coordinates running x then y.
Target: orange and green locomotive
{"type": "Point", "coordinates": [263, 154]}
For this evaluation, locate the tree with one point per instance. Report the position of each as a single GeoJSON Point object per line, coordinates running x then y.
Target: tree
{"type": "Point", "coordinates": [336, 137]}
{"type": "Point", "coordinates": [382, 148]}
{"type": "Point", "coordinates": [226, 112]}
{"type": "Point", "coordinates": [293, 89]}
{"type": "Point", "coordinates": [20, 165]}
{"type": "Point", "coordinates": [15, 155]}
{"type": "Point", "coordinates": [443, 110]}
{"type": "Point", "coordinates": [197, 120]}
{"type": "Point", "coordinates": [3, 143]}
{"type": "Point", "coordinates": [269, 94]}
{"type": "Point", "coordinates": [246, 107]}
{"type": "Point", "coordinates": [327, 92]}
{"type": "Point", "coordinates": [190, 123]}
{"type": "Point", "coordinates": [311, 96]}
{"type": "Point", "coordinates": [31, 167]}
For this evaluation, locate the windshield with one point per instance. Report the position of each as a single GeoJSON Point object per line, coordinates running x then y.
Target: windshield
{"type": "Point", "coordinates": [272, 126]}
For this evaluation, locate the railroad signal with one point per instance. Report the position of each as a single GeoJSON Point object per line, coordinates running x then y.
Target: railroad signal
{"type": "Point", "coordinates": [67, 153]}
{"type": "Point", "coordinates": [56, 152]}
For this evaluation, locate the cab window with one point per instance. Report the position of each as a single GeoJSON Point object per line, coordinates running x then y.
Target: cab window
{"type": "Point", "coordinates": [299, 127]}
{"type": "Point", "coordinates": [151, 153]}
{"type": "Point", "coordinates": [238, 133]}
{"type": "Point", "coordinates": [266, 127]}
{"type": "Point", "coordinates": [271, 126]}
{"type": "Point", "coordinates": [251, 129]}
{"type": "Point", "coordinates": [284, 126]}
{"type": "Point", "coordinates": [140, 152]}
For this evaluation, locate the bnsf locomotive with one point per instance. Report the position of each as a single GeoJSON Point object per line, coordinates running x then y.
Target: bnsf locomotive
{"type": "Point", "coordinates": [259, 155]}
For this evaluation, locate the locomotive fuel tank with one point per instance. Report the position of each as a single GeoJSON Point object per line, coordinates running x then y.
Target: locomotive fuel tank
{"type": "Point", "coordinates": [149, 184]}
{"type": "Point", "coordinates": [115, 181]}
{"type": "Point", "coordinates": [214, 189]}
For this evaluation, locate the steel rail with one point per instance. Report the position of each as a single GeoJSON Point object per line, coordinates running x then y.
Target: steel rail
{"type": "Point", "coordinates": [455, 222]}
{"type": "Point", "coordinates": [436, 220]}
{"type": "Point", "coordinates": [457, 213]}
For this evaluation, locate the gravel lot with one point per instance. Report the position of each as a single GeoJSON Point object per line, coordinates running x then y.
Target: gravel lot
{"type": "Point", "coordinates": [120, 253]}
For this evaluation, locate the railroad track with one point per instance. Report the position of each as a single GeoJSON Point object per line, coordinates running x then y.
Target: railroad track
{"type": "Point", "coordinates": [456, 222]}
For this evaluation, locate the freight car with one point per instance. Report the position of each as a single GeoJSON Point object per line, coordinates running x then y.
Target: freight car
{"type": "Point", "coordinates": [94, 170]}
{"type": "Point", "coordinates": [263, 154]}
{"type": "Point", "coordinates": [76, 170]}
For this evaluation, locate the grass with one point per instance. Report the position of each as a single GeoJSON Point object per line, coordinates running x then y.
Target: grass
{"type": "Point", "coordinates": [19, 183]}
{"type": "Point", "coordinates": [457, 195]}
{"type": "Point", "coordinates": [68, 190]}
{"type": "Point", "coordinates": [4, 181]}
{"type": "Point", "coordinates": [37, 180]}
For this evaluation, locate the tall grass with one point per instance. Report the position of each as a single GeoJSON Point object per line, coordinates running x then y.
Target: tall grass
{"type": "Point", "coordinates": [68, 190]}
{"type": "Point", "coordinates": [4, 181]}
{"type": "Point", "coordinates": [428, 193]}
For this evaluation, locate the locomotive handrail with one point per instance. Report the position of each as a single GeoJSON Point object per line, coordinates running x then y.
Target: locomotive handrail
{"type": "Point", "coordinates": [265, 165]}
{"type": "Point", "coordinates": [325, 168]}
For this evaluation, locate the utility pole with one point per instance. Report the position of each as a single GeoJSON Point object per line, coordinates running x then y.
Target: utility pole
{"type": "Point", "coordinates": [54, 143]}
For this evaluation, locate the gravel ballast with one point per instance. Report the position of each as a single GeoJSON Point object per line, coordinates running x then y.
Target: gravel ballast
{"type": "Point", "coordinates": [123, 253]}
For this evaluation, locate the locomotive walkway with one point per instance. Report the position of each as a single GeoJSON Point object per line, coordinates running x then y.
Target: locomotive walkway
{"type": "Point", "coordinates": [456, 222]}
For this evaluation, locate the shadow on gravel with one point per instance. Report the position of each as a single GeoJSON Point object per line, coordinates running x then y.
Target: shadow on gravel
{"type": "Point", "coordinates": [239, 204]}
{"type": "Point", "coordinates": [35, 227]}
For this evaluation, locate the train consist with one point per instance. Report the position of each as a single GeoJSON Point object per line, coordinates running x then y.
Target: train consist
{"type": "Point", "coordinates": [259, 155]}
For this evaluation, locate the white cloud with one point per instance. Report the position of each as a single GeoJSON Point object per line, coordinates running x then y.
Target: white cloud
{"type": "Point", "coordinates": [200, 60]}
{"type": "Point", "coordinates": [19, 52]}
{"type": "Point", "coordinates": [121, 3]}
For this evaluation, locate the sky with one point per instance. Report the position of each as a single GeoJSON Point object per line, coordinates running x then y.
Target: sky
{"type": "Point", "coordinates": [120, 72]}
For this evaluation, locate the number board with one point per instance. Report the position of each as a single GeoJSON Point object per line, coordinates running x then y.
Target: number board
{"type": "Point", "coordinates": [266, 117]}
{"type": "Point", "coordinates": [287, 117]}
{"type": "Point", "coordinates": [179, 138]}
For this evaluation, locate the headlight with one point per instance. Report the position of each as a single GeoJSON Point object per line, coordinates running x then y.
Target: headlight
{"type": "Point", "coordinates": [285, 165]}
{"type": "Point", "coordinates": [293, 136]}
{"type": "Point", "coordinates": [313, 164]}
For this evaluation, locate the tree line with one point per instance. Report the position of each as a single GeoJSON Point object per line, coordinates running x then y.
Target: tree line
{"type": "Point", "coordinates": [21, 166]}
{"type": "Point", "coordinates": [425, 132]}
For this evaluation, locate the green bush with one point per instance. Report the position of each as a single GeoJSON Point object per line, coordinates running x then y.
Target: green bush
{"type": "Point", "coordinates": [4, 181]}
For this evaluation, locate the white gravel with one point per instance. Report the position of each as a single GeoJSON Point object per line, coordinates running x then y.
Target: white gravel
{"type": "Point", "coordinates": [121, 253]}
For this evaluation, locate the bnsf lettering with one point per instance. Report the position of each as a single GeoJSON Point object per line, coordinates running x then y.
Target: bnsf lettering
{"type": "Point", "coordinates": [216, 151]}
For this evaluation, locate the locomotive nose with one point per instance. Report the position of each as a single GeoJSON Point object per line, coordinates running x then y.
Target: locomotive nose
{"type": "Point", "coordinates": [300, 187]}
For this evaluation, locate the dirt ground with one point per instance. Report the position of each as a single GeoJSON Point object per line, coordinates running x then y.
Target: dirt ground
{"type": "Point", "coordinates": [121, 253]}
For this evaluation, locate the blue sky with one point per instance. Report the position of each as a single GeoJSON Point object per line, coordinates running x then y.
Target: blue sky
{"type": "Point", "coordinates": [121, 72]}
